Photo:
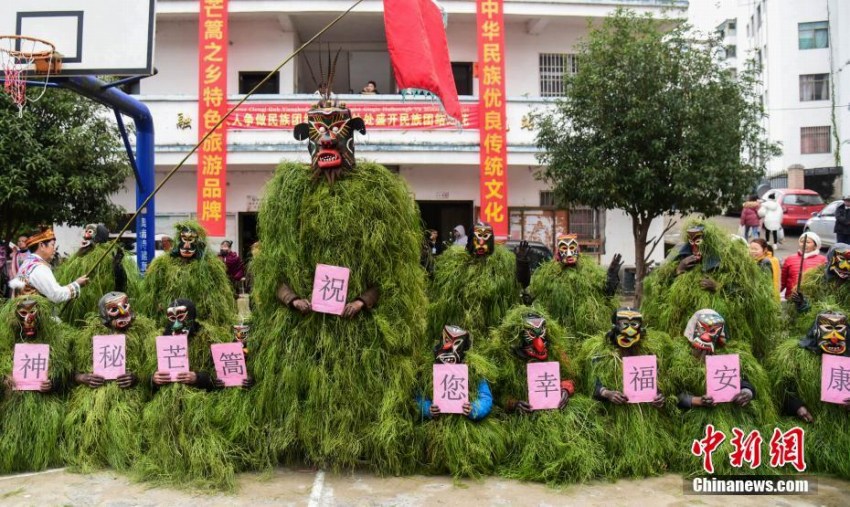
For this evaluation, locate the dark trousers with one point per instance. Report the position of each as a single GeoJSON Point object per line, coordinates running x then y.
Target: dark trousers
{"type": "Point", "coordinates": [842, 237]}
{"type": "Point", "coordinates": [775, 235]}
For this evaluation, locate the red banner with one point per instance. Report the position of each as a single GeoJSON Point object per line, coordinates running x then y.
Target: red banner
{"type": "Point", "coordinates": [212, 105]}
{"type": "Point", "coordinates": [491, 93]}
{"type": "Point", "coordinates": [376, 115]}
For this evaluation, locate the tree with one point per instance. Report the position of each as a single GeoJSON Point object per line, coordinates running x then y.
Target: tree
{"type": "Point", "coordinates": [59, 163]}
{"type": "Point", "coordinates": [651, 123]}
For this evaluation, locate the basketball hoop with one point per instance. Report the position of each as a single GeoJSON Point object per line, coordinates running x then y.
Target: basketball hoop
{"type": "Point", "coordinates": [25, 59]}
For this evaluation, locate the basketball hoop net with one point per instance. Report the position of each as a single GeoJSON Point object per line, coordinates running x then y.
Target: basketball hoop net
{"type": "Point", "coordinates": [26, 59]}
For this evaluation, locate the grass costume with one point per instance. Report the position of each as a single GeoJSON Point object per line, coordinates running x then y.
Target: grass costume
{"type": "Point", "coordinates": [337, 390]}
{"type": "Point", "coordinates": [574, 289]}
{"type": "Point", "coordinates": [712, 271]}
{"type": "Point", "coordinates": [554, 446]}
{"type": "Point", "coordinates": [637, 436]}
{"type": "Point", "coordinates": [102, 425]}
{"type": "Point", "coordinates": [822, 286]}
{"type": "Point", "coordinates": [464, 445]}
{"type": "Point", "coordinates": [31, 421]}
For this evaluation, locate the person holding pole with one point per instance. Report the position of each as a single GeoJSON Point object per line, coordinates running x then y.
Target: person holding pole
{"type": "Point", "coordinates": [807, 257]}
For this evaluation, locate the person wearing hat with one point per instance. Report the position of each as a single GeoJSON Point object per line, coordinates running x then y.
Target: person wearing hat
{"type": "Point", "coordinates": [811, 258]}
{"type": "Point", "coordinates": [35, 276]}
{"type": "Point", "coordinates": [842, 221]}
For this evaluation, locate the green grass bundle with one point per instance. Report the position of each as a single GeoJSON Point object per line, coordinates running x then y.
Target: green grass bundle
{"type": "Point", "coordinates": [551, 446]}
{"type": "Point", "coordinates": [31, 421]}
{"type": "Point", "coordinates": [637, 436]}
{"type": "Point", "coordinates": [686, 373]}
{"type": "Point", "coordinates": [819, 292]}
{"type": "Point", "coordinates": [338, 391]}
{"type": "Point", "coordinates": [471, 292]}
{"type": "Point", "coordinates": [102, 425]}
{"type": "Point", "coordinates": [101, 281]}
{"type": "Point", "coordinates": [181, 444]}
{"type": "Point", "coordinates": [745, 296]}
{"type": "Point", "coordinates": [796, 371]}
{"type": "Point", "coordinates": [575, 295]}
{"type": "Point", "coordinates": [203, 280]}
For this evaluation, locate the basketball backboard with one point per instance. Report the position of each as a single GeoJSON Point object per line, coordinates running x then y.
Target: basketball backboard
{"type": "Point", "coordinates": [94, 37]}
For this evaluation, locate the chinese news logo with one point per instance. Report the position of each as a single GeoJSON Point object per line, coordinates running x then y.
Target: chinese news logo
{"type": "Point", "coordinates": [786, 448]}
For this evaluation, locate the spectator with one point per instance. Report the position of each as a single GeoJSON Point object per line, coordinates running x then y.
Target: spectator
{"type": "Point", "coordinates": [811, 258]}
{"type": "Point", "coordinates": [750, 218]}
{"type": "Point", "coordinates": [459, 235]}
{"type": "Point", "coordinates": [234, 264]}
{"type": "Point", "coordinates": [322, 90]}
{"type": "Point", "coordinates": [434, 243]}
{"type": "Point", "coordinates": [771, 212]}
{"type": "Point", "coordinates": [842, 221]}
{"type": "Point", "coordinates": [16, 258]}
{"type": "Point", "coordinates": [370, 89]}
{"type": "Point", "coordinates": [762, 253]}
{"type": "Point", "coordinates": [166, 245]}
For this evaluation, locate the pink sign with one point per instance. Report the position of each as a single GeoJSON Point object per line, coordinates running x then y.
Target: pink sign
{"type": "Point", "coordinates": [172, 354]}
{"type": "Point", "coordinates": [544, 385]}
{"type": "Point", "coordinates": [834, 379]}
{"type": "Point", "coordinates": [229, 359]}
{"type": "Point", "coordinates": [109, 355]}
{"type": "Point", "coordinates": [30, 364]}
{"type": "Point", "coordinates": [330, 289]}
{"type": "Point", "coordinates": [723, 376]}
{"type": "Point", "coordinates": [451, 387]}
{"type": "Point", "coordinates": [640, 378]}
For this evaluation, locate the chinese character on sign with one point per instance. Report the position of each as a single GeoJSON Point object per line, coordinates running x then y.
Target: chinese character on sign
{"type": "Point", "coordinates": [33, 367]}
{"type": "Point", "coordinates": [707, 446]}
{"type": "Point", "coordinates": [747, 449]}
{"type": "Point", "coordinates": [176, 356]}
{"type": "Point", "coordinates": [726, 377]}
{"type": "Point", "coordinates": [453, 387]}
{"type": "Point", "coordinates": [545, 384]}
{"type": "Point", "coordinates": [332, 289]}
{"type": "Point", "coordinates": [788, 448]}
{"type": "Point", "coordinates": [643, 379]}
{"type": "Point", "coordinates": [839, 379]}
{"type": "Point", "coordinates": [111, 356]}
{"type": "Point", "coordinates": [232, 363]}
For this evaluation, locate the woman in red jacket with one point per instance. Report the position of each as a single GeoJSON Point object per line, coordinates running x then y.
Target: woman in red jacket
{"type": "Point", "coordinates": [812, 258]}
{"type": "Point", "coordinates": [750, 218]}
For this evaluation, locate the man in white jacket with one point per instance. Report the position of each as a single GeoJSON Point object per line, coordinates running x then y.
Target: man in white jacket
{"type": "Point", "coordinates": [771, 212]}
{"type": "Point", "coordinates": [35, 275]}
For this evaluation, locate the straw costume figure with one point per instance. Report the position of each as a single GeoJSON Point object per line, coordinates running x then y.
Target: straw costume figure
{"type": "Point", "coordinates": [31, 421]}
{"type": "Point", "coordinates": [601, 361]}
{"type": "Point", "coordinates": [336, 390]}
{"type": "Point", "coordinates": [469, 444]}
{"type": "Point", "coordinates": [712, 271]}
{"type": "Point", "coordinates": [822, 286]}
{"type": "Point", "coordinates": [573, 288]}
{"type": "Point", "coordinates": [102, 425]}
{"type": "Point", "coordinates": [120, 275]}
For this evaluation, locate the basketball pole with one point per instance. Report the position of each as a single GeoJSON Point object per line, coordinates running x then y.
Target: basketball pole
{"type": "Point", "coordinates": [212, 130]}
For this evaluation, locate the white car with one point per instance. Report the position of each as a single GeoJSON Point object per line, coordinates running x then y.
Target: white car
{"type": "Point", "coordinates": [823, 224]}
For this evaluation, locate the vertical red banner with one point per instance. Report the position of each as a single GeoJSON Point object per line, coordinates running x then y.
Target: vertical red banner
{"type": "Point", "coordinates": [493, 119]}
{"type": "Point", "coordinates": [212, 105]}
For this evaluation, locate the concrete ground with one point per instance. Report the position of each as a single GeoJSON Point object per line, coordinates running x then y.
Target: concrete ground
{"type": "Point", "coordinates": [307, 487]}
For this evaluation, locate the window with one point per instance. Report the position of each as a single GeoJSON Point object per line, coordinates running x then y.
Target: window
{"type": "Point", "coordinates": [462, 72]}
{"type": "Point", "coordinates": [758, 16]}
{"type": "Point", "coordinates": [732, 26]}
{"type": "Point", "coordinates": [731, 51]}
{"type": "Point", "coordinates": [553, 68]}
{"type": "Point", "coordinates": [813, 35]}
{"type": "Point", "coordinates": [248, 80]}
{"type": "Point", "coordinates": [544, 225]}
{"type": "Point", "coordinates": [802, 200]}
{"type": "Point", "coordinates": [547, 199]}
{"type": "Point", "coordinates": [814, 140]}
{"type": "Point", "coordinates": [830, 209]}
{"type": "Point", "coordinates": [814, 87]}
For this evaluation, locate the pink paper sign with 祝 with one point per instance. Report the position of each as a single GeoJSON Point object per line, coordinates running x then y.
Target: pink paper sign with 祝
{"type": "Point", "coordinates": [834, 379]}
{"type": "Point", "coordinates": [30, 364]}
{"type": "Point", "coordinates": [723, 376]}
{"type": "Point", "coordinates": [544, 385]}
{"type": "Point", "coordinates": [109, 355]}
{"type": "Point", "coordinates": [229, 359]}
{"type": "Point", "coordinates": [640, 378]}
{"type": "Point", "coordinates": [330, 289]}
{"type": "Point", "coordinates": [451, 387]}
{"type": "Point", "coordinates": [172, 354]}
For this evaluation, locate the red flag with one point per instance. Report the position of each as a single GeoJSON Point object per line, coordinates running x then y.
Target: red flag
{"type": "Point", "coordinates": [419, 51]}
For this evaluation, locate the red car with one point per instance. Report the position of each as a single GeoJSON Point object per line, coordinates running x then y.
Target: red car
{"type": "Point", "coordinates": [798, 204]}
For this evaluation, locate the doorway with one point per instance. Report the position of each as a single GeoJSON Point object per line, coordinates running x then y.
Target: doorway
{"type": "Point", "coordinates": [247, 233]}
{"type": "Point", "coordinates": [443, 216]}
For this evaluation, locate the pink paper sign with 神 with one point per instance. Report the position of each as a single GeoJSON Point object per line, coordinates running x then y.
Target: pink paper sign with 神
{"type": "Point", "coordinates": [330, 289]}
{"type": "Point", "coordinates": [172, 354]}
{"type": "Point", "coordinates": [30, 364]}
{"type": "Point", "coordinates": [834, 379]}
{"type": "Point", "coordinates": [451, 387]}
{"type": "Point", "coordinates": [544, 385]}
{"type": "Point", "coordinates": [109, 355]}
{"type": "Point", "coordinates": [640, 378]}
{"type": "Point", "coordinates": [723, 376]}
{"type": "Point", "coordinates": [229, 359]}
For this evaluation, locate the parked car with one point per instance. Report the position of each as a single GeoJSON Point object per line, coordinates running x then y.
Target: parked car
{"type": "Point", "coordinates": [823, 224]}
{"type": "Point", "coordinates": [798, 204]}
{"type": "Point", "coordinates": [539, 253]}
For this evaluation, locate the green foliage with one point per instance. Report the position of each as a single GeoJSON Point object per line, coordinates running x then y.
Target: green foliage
{"type": "Point", "coordinates": [102, 425]}
{"type": "Point", "coordinates": [101, 281]}
{"type": "Point", "coordinates": [473, 293]}
{"type": "Point", "coordinates": [31, 422]}
{"type": "Point", "coordinates": [820, 293]}
{"type": "Point", "coordinates": [334, 391]}
{"type": "Point", "coordinates": [745, 296]}
{"type": "Point", "coordinates": [61, 161]}
{"type": "Point", "coordinates": [574, 295]}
